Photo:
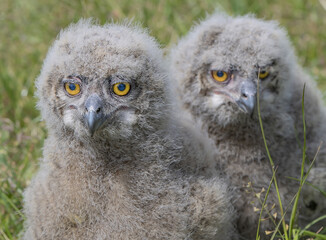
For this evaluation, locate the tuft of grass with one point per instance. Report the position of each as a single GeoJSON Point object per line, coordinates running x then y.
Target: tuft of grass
{"type": "Point", "coordinates": [295, 206]}
{"type": "Point", "coordinates": [27, 29]}
{"type": "Point", "coordinates": [289, 232]}
{"type": "Point", "coordinates": [272, 166]}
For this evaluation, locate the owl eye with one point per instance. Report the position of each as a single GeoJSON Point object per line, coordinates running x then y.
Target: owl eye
{"type": "Point", "coordinates": [121, 89]}
{"type": "Point", "coordinates": [263, 74]}
{"type": "Point", "coordinates": [219, 76]}
{"type": "Point", "coordinates": [72, 88]}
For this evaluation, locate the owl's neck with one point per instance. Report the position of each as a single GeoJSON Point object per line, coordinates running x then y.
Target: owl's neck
{"type": "Point", "coordinates": [243, 141]}
{"type": "Point", "coordinates": [97, 153]}
{"type": "Point", "coordinates": [246, 131]}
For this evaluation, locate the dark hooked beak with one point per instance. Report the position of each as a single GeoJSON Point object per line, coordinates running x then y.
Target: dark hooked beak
{"type": "Point", "coordinates": [94, 116]}
{"type": "Point", "coordinates": [248, 96]}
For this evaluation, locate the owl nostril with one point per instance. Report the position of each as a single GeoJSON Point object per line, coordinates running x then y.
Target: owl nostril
{"type": "Point", "coordinates": [91, 109]}
{"type": "Point", "coordinates": [94, 104]}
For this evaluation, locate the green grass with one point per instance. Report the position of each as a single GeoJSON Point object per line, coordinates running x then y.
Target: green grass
{"type": "Point", "coordinates": [28, 27]}
{"type": "Point", "coordinates": [289, 230]}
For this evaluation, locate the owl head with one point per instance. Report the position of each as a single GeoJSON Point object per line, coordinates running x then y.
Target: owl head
{"type": "Point", "coordinates": [102, 81]}
{"type": "Point", "coordinates": [224, 61]}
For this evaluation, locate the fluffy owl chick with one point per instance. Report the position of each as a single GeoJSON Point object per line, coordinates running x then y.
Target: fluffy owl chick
{"type": "Point", "coordinates": [112, 169]}
{"type": "Point", "coordinates": [217, 68]}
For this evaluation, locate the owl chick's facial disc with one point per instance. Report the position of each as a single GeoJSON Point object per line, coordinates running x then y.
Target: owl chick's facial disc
{"type": "Point", "coordinates": [235, 85]}
{"type": "Point", "coordinates": [96, 75]}
{"type": "Point", "coordinates": [219, 64]}
{"type": "Point", "coordinates": [94, 111]}
{"type": "Point", "coordinates": [239, 90]}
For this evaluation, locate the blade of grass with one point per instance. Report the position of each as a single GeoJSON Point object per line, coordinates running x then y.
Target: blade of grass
{"type": "Point", "coordinates": [8, 200]}
{"type": "Point", "coordinates": [277, 227]}
{"type": "Point", "coordinates": [285, 211]}
{"type": "Point", "coordinates": [310, 184]}
{"type": "Point", "coordinates": [313, 222]}
{"type": "Point", "coordinates": [297, 230]}
{"type": "Point", "coordinates": [297, 138]}
{"type": "Point", "coordinates": [270, 160]}
{"type": "Point", "coordinates": [263, 206]}
{"type": "Point", "coordinates": [296, 202]}
{"type": "Point", "coordinates": [3, 234]}
{"type": "Point", "coordinates": [312, 234]}
{"type": "Point", "coordinates": [306, 176]}
{"type": "Point", "coordinates": [313, 161]}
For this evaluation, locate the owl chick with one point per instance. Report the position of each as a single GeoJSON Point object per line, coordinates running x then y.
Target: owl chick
{"type": "Point", "coordinates": [112, 166]}
{"type": "Point", "coordinates": [219, 68]}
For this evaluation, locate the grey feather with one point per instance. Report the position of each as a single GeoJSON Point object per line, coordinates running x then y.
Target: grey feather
{"type": "Point", "coordinates": [115, 167]}
{"type": "Point", "coordinates": [243, 47]}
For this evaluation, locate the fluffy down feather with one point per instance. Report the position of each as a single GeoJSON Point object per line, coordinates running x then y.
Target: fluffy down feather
{"type": "Point", "coordinates": [131, 178]}
{"type": "Point", "coordinates": [243, 47]}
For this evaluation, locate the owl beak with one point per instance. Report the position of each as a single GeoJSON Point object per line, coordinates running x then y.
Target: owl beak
{"type": "Point", "coordinates": [94, 116]}
{"type": "Point", "coordinates": [247, 100]}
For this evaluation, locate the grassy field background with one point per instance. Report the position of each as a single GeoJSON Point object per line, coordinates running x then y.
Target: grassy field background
{"type": "Point", "coordinates": [28, 27]}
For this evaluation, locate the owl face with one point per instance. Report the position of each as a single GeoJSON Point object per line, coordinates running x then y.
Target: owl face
{"type": "Point", "coordinates": [102, 82]}
{"type": "Point", "coordinates": [90, 105]}
{"type": "Point", "coordinates": [224, 62]}
{"type": "Point", "coordinates": [233, 89]}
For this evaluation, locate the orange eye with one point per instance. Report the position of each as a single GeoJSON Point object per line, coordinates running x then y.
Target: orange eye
{"type": "Point", "coordinates": [219, 76]}
{"type": "Point", "coordinates": [72, 88]}
{"type": "Point", "coordinates": [263, 74]}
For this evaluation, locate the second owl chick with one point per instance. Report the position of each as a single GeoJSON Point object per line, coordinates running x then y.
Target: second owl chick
{"type": "Point", "coordinates": [217, 67]}
{"type": "Point", "coordinates": [111, 168]}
